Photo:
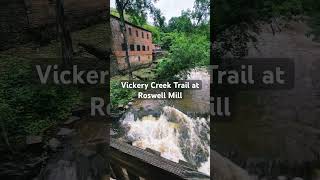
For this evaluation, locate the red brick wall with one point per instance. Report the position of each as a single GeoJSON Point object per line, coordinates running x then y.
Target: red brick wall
{"type": "Point", "coordinates": [136, 57]}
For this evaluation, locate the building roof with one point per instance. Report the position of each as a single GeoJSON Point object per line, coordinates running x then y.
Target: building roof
{"type": "Point", "coordinates": [127, 22]}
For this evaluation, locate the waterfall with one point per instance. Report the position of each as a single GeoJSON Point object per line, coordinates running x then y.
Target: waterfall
{"type": "Point", "coordinates": [174, 134]}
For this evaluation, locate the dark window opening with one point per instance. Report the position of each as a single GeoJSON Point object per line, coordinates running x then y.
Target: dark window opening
{"type": "Point", "coordinates": [131, 47]}
{"type": "Point", "coordinates": [142, 34]}
{"type": "Point", "coordinates": [130, 32]}
{"type": "Point", "coordinates": [143, 48]}
{"type": "Point", "coordinates": [148, 48]}
{"type": "Point", "coordinates": [137, 33]}
{"type": "Point", "coordinates": [139, 58]}
{"type": "Point", "coordinates": [124, 47]}
{"type": "Point", "coordinates": [147, 35]}
{"type": "Point", "coordinates": [138, 48]}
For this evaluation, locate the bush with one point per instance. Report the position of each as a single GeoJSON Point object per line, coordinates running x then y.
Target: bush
{"type": "Point", "coordinates": [26, 106]}
{"type": "Point", "coordinates": [119, 95]}
{"type": "Point", "coordinates": [187, 51]}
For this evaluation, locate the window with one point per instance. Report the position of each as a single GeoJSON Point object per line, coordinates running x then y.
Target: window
{"type": "Point", "coordinates": [131, 47]}
{"type": "Point", "coordinates": [123, 47]}
{"type": "Point", "coordinates": [130, 32]}
{"type": "Point", "coordinates": [138, 48]}
{"type": "Point", "coordinates": [147, 35]}
{"type": "Point", "coordinates": [143, 48]}
{"type": "Point", "coordinates": [142, 34]}
{"type": "Point", "coordinates": [148, 48]}
{"type": "Point", "coordinates": [137, 33]}
{"type": "Point", "coordinates": [139, 58]}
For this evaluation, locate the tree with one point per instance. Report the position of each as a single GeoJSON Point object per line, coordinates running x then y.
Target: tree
{"type": "Point", "coordinates": [159, 19]}
{"type": "Point", "coordinates": [63, 34]}
{"type": "Point", "coordinates": [201, 11]}
{"type": "Point", "coordinates": [237, 22]}
{"type": "Point", "coordinates": [182, 23]}
{"type": "Point", "coordinates": [137, 9]}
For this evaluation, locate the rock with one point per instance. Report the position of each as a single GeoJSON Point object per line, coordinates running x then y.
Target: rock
{"type": "Point", "coordinates": [65, 132]}
{"type": "Point", "coordinates": [71, 120]}
{"type": "Point", "coordinates": [282, 178]}
{"type": "Point", "coordinates": [33, 140]}
{"type": "Point", "coordinates": [130, 104]}
{"type": "Point", "coordinates": [87, 153]}
{"type": "Point", "coordinates": [54, 144]}
{"type": "Point", "coordinates": [112, 132]}
{"type": "Point", "coordinates": [226, 170]}
{"type": "Point", "coordinates": [126, 107]}
{"type": "Point", "coordinates": [121, 107]}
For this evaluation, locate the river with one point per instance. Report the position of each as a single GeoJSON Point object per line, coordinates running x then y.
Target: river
{"type": "Point", "coordinates": [178, 129]}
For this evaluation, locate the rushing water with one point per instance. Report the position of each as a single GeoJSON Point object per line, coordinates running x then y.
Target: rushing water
{"type": "Point", "coordinates": [166, 127]}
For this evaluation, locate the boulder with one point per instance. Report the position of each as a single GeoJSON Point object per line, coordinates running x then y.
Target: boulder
{"type": "Point", "coordinates": [121, 107]}
{"type": "Point", "coordinates": [71, 120]}
{"type": "Point", "coordinates": [54, 144]}
{"type": "Point", "coordinates": [112, 132]}
{"type": "Point", "coordinates": [65, 132]}
{"type": "Point", "coordinates": [33, 140]}
{"type": "Point", "coordinates": [226, 170]}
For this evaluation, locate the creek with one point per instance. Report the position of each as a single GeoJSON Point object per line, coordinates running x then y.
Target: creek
{"type": "Point", "coordinates": [179, 129]}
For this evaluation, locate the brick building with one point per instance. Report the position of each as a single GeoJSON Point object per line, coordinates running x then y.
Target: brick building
{"type": "Point", "coordinates": [139, 44]}
{"type": "Point", "coordinates": [22, 20]}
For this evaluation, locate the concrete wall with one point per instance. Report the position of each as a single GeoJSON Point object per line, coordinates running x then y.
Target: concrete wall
{"type": "Point", "coordinates": [137, 58]}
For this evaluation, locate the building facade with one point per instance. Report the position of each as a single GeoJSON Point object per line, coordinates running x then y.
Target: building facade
{"type": "Point", "coordinates": [139, 44]}
{"type": "Point", "coordinates": [23, 20]}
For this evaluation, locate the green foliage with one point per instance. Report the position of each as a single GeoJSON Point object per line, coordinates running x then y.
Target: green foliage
{"type": "Point", "coordinates": [182, 23]}
{"type": "Point", "coordinates": [159, 19]}
{"type": "Point", "coordinates": [27, 107]}
{"type": "Point", "coordinates": [201, 11]}
{"type": "Point", "coordinates": [155, 33]}
{"type": "Point", "coordinates": [167, 40]}
{"type": "Point", "coordinates": [120, 95]}
{"type": "Point", "coordinates": [235, 20]}
{"type": "Point", "coordinates": [136, 9]}
{"type": "Point", "coordinates": [187, 51]}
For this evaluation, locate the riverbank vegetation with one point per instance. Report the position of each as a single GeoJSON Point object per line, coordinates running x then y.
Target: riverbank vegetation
{"type": "Point", "coordinates": [26, 106]}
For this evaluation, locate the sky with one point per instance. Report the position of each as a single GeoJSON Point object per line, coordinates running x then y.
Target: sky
{"type": "Point", "coordinates": [169, 8]}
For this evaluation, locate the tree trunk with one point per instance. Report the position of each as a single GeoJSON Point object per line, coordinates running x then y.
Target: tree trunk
{"type": "Point", "coordinates": [125, 42]}
{"type": "Point", "coordinates": [64, 34]}
{"type": "Point", "coordinates": [5, 136]}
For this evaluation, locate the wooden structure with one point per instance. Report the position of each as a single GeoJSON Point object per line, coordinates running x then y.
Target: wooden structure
{"type": "Point", "coordinates": [129, 162]}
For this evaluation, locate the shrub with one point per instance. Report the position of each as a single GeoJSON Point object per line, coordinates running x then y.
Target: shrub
{"type": "Point", "coordinates": [187, 51]}
{"type": "Point", "coordinates": [119, 95]}
{"type": "Point", "coordinates": [26, 106]}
